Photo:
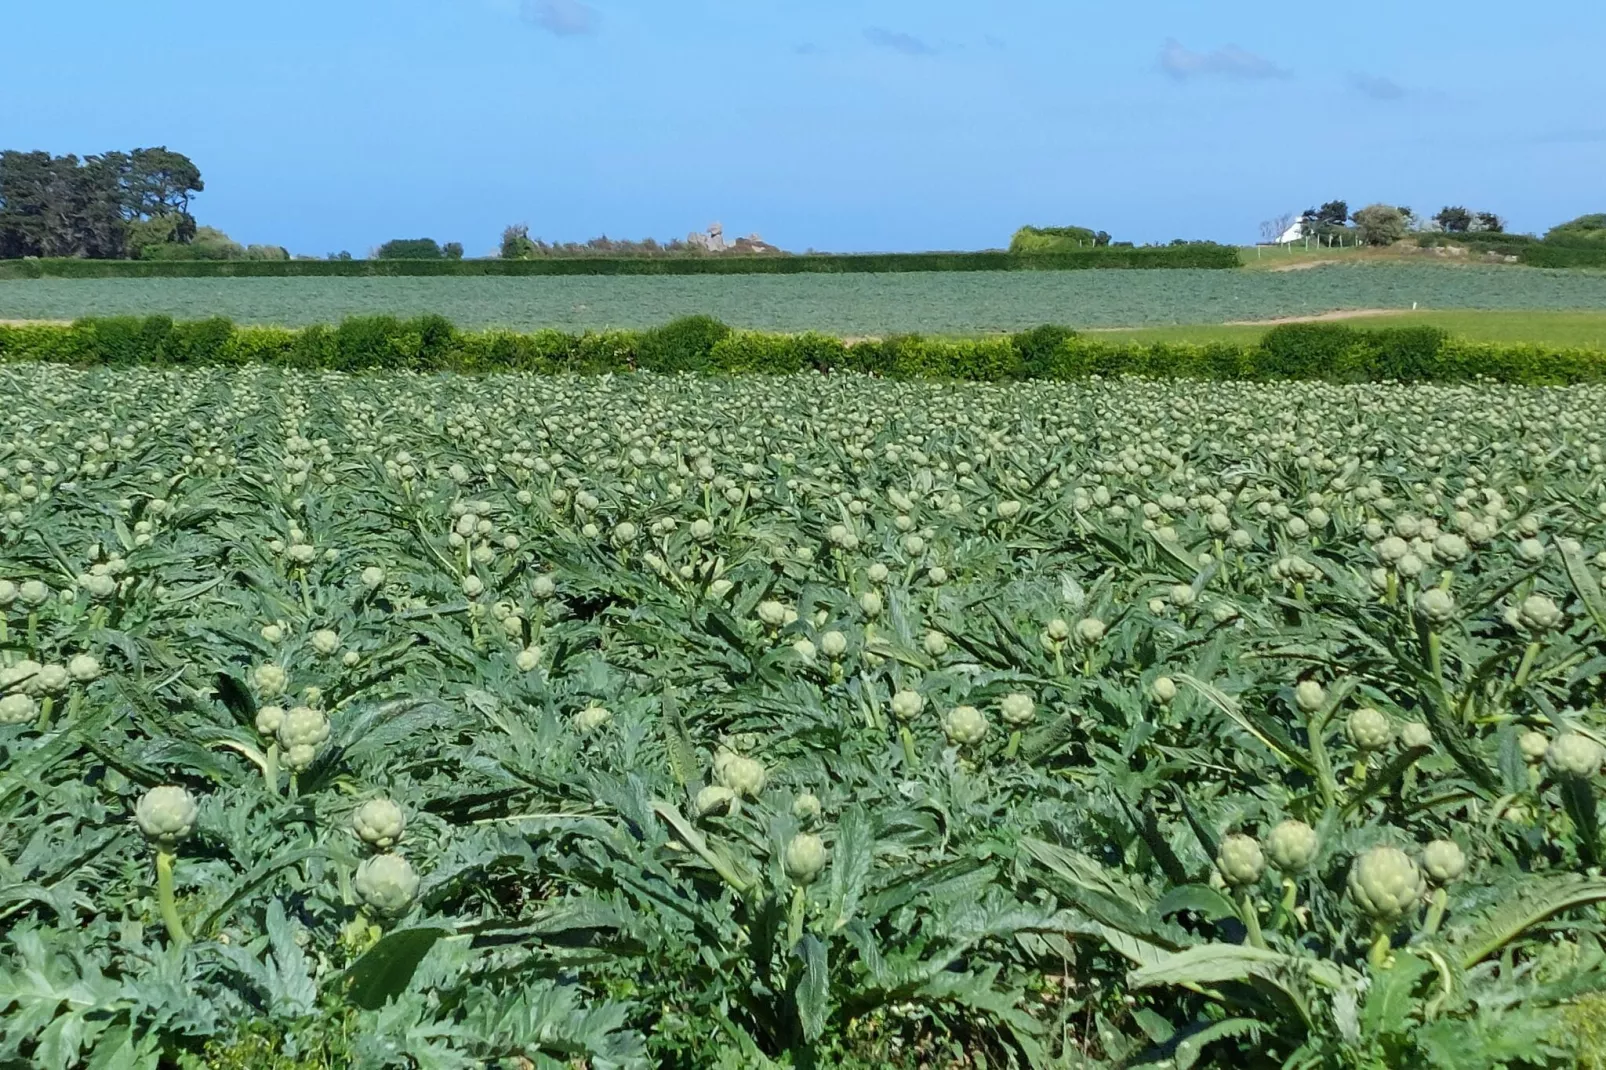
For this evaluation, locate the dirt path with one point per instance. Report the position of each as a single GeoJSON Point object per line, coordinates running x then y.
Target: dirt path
{"type": "Point", "coordinates": [35, 323]}
{"type": "Point", "coordinates": [1304, 265]}
{"type": "Point", "coordinates": [1324, 317]}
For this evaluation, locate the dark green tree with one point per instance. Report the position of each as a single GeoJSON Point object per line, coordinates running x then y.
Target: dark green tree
{"type": "Point", "coordinates": [1454, 219]}
{"type": "Point", "coordinates": [410, 249]}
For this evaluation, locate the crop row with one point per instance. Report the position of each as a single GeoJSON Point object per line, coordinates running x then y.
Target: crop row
{"type": "Point", "coordinates": [635, 721]}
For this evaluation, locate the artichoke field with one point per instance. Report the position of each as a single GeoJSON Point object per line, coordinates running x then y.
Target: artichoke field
{"type": "Point", "coordinates": [425, 721]}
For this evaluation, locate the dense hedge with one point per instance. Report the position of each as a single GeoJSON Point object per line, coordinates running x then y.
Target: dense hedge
{"type": "Point", "coordinates": [1330, 351]}
{"type": "Point", "coordinates": [1181, 256]}
{"type": "Point", "coordinates": [1551, 255]}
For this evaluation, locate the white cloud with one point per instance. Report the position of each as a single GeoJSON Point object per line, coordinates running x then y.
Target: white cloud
{"type": "Point", "coordinates": [1229, 61]}
{"type": "Point", "coordinates": [565, 18]}
{"type": "Point", "coordinates": [908, 44]}
{"type": "Point", "coordinates": [1376, 87]}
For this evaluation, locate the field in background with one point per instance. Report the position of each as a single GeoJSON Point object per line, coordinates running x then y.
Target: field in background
{"type": "Point", "coordinates": [951, 303]}
{"type": "Point", "coordinates": [1582, 330]}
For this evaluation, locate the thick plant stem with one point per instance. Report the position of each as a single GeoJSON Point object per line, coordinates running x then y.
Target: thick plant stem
{"type": "Point", "coordinates": [1324, 768]}
{"type": "Point", "coordinates": [45, 708]}
{"type": "Point", "coordinates": [270, 768]}
{"type": "Point", "coordinates": [908, 747]}
{"type": "Point", "coordinates": [794, 927]}
{"type": "Point", "coordinates": [1435, 912]}
{"type": "Point", "coordinates": [1014, 746]}
{"type": "Point", "coordinates": [1251, 918]}
{"type": "Point", "coordinates": [1290, 896]}
{"type": "Point", "coordinates": [164, 898]}
{"type": "Point", "coordinates": [1527, 663]}
{"type": "Point", "coordinates": [1378, 956]}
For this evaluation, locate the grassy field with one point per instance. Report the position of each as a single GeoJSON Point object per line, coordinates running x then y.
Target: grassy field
{"type": "Point", "coordinates": [932, 303]}
{"type": "Point", "coordinates": [1584, 330]}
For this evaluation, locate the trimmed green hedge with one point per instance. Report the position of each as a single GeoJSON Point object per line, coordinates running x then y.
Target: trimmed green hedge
{"type": "Point", "coordinates": [1551, 255]}
{"type": "Point", "coordinates": [1181, 256]}
{"type": "Point", "coordinates": [1329, 351]}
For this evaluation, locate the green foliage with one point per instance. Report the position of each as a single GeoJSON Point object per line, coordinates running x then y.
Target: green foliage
{"type": "Point", "coordinates": [1585, 230]}
{"type": "Point", "coordinates": [1039, 240]}
{"type": "Point", "coordinates": [1380, 224]}
{"type": "Point", "coordinates": [408, 249]}
{"type": "Point", "coordinates": [683, 345]}
{"type": "Point", "coordinates": [1334, 352]}
{"type": "Point", "coordinates": [105, 206]}
{"type": "Point", "coordinates": [526, 623]}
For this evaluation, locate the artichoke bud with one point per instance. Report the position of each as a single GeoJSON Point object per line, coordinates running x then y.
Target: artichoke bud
{"type": "Point", "coordinates": [1017, 710]}
{"type": "Point", "coordinates": [379, 823]}
{"type": "Point", "coordinates": [714, 800]}
{"type": "Point", "coordinates": [1416, 736]}
{"type": "Point", "coordinates": [805, 858]}
{"type": "Point", "coordinates": [1443, 861]}
{"type": "Point", "coordinates": [591, 719]}
{"type": "Point", "coordinates": [806, 807]}
{"type": "Point", "coordinates": [1368, 729]}
{"type": "Point", "coordinates": [1385, 883]}
{"type": "Point", "coordinates": [269, 718]}
{"type": "Point", "coordinates": [906, 705]}
{"type": "Point", "coordinates": [744, 776]}
{"type": "Point", "coordinates": [964, 725]}
{"type": "Point", "coordinates": [1573, 755]}
{"type": "Point", "coordinates": [387, 884]}
{"type": "Point", "coordinates": [1240, 860]}
{"type": "Point", "coordinates": [1292, 846]}
{"type": "Point", "coordinates": [166, 815]}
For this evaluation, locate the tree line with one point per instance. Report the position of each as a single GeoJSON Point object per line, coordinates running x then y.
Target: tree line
{"type": "Point", "coordinates": [107, 206]}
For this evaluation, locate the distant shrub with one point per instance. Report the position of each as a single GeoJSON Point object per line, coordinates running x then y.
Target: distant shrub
{"type": "Point", "coordinates": [410, 249]}
{"type": "Point", "coordinates": [1036, 349]}
{"type": "Point", "coordinates": [682, 345]}
{"type": "Point", "coordinates": [452, 250]}
{"type": "Point", "coordinates": [1056, 239]}
{"type": "Point", "coordinates": [1380, 224]}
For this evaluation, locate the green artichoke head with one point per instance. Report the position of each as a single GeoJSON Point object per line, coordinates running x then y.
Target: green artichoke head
{"type": "Point", "coordinates": [805, 858]}
{"type": "Point", "coordinates": [379, 823]}
{"type": "Point", "coordinates": [1573, 755]}
{"type": "Point", "coordinates": [1240, 860]}
{"type": "Point", "coordinates": [964, 725]}
{"type": "Point", "coordinates": [1385, 883]}
{"type": "Point", "coordinates": [1443, 861]}
{"type": "Point", "coordinates": [1017, 710]}
{"type": "Point", "coordinates": [387, 884]}
{"type": "Point", "coordinates": [1368, 729]}
{"type": "Point", "coordinates": [166, 815]}
{"type": "Point", "coordinates": [1293, 846]}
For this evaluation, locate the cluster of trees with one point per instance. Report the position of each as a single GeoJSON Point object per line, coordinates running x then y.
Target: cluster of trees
{"type": "Point", "coordinates": [1057, 239]}
{"type": "Point", "coordinates": [1380, 224]}
{"type": "Point", "coordinates": [110, 206]}
{"type": "Point", "coordinates": [518, 245]}
{"type": "Point", "coordinates": [413, 249]}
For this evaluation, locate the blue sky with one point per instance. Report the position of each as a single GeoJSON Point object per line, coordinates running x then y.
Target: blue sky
{"type": "Point", "coordinates": [871, 125]}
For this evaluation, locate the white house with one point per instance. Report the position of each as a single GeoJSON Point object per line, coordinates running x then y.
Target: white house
{"type": "Point", "coordinates": [1294, 233]}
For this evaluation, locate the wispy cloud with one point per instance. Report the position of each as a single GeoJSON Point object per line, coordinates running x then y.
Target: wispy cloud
{"type": "Point", "coordinates": [1376, 87]}
{"type": "Point", "coordinates": [807, 48]}
{"type": "Point", "coordinates": [1229, 61]}
{"type": "Point", "coordinates": [895, 41]}
{"type": "Point", "coordinates": [565, 18]}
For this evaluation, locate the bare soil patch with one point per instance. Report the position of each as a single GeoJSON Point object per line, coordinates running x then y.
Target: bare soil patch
{"type": "Point", "coordinates": [1324, 317]}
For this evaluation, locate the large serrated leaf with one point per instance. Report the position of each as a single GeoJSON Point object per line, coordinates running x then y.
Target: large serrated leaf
{"type": "Point", "coordinates": [385, 970]}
